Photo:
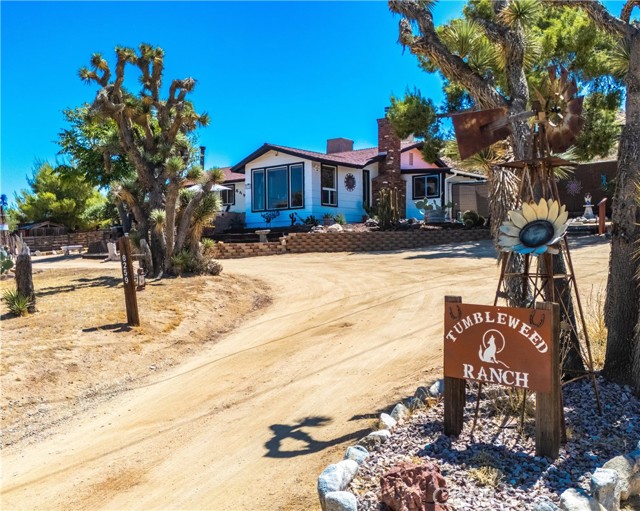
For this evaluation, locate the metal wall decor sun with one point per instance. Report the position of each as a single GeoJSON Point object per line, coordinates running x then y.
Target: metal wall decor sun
{"type": "Point", "coordinates": [350, 182]}
{"type": "Point", "coordinates": [534, 229]}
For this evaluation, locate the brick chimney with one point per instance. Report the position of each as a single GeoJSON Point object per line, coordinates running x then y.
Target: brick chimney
{"type": "Point", "coordinates": [339, 145]}
{"type": "Point", "coordinates": [389, 166]}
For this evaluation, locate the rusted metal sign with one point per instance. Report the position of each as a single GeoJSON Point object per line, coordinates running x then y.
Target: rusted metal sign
{"type": "Point", "coordinates": [502, 345]}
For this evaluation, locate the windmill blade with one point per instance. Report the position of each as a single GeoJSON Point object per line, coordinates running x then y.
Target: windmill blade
{"type": "Point", "coordinates": [552, 74]}
{"type": "Point", "coordinates": [574, 106]}
{"type": "Point", "coordinates": [478, 130]}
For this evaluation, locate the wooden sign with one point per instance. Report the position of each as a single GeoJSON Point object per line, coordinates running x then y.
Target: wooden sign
{"type": "Point", "coordinates": [506, 346]}
{"type": "Point", "coordinates": [502, 345]}
{"type": "Point", "coordinates": [128, 278]}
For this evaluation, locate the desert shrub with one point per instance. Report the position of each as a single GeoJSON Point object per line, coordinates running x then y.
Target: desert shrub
{"type": "Point", "coordinates": [5, 262]}
{"type": "Point", "coordinates": [17, 303]}
{"type": "Point", "coordinates": [207, 244]}
{"type": "Point", "coordinates": [340, 219]}
{"type": "Point", "coordinates": [311, 220]}
{"type": "Point", "coordinates": [186, 262]}
{"type": "Point", "coordinates": [486, 472]}
{"type": "Point", "coordinates": [596, 326]}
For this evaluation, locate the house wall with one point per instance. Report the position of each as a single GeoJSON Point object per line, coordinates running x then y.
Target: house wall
{"type": "Point", "coordinates": [412, 209]}
{"type": "Point", "coordinates": [254, 219]}
{"type": "Point", "coordinates": [349, 202]}
{"type": "Point", "coordinates": [418, 161]}
{"type": "Point", "coordinates": [239, 206]}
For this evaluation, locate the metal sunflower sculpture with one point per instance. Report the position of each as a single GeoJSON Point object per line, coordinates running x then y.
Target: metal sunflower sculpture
{"type": "Point", "coordinates": [534, 229]}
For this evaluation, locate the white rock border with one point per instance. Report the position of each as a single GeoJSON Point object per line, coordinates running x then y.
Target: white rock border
{"type": "Point", "coordinates": [334, 480]}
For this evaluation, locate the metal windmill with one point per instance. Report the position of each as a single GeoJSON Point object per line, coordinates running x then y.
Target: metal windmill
{"type": "Point", "coordinates": [538, 229]}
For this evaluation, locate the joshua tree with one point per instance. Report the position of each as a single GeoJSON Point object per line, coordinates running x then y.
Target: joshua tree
{"type": "Point", "coordinates": [153, 134]}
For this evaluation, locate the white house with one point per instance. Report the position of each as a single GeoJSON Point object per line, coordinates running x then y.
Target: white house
{"type": "Point", "coordinates": [279, 180]}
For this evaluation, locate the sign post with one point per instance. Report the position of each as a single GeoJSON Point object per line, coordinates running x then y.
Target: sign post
{"type": "Point", "coordinates": [509, 346]}
{"type": "Point", "coordinates": [128, 278]}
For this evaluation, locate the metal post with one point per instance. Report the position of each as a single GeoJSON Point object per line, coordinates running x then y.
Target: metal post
{"type": "Point", "coordinates": [602, 211]}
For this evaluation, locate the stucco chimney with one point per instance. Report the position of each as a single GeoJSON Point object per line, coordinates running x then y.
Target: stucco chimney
{"type": "Point", "coordinates": [339, 145]}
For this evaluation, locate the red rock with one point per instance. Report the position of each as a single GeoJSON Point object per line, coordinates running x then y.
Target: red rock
{"type": "Point", "coordinates": [411, 487]}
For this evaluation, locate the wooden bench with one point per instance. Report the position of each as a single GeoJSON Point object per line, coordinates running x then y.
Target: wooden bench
{"type": "Point", "coordinates": [66, 249]}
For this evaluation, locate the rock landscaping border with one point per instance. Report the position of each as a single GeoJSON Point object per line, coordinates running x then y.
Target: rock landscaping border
{"type": "Point", "coordinates": [496, 468]}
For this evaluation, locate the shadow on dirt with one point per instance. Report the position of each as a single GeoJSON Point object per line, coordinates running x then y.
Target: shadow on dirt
{"type": "Point", "coordinates": [282, 432]}
{"type": "Point", "coordinates": [475, 250]}
{"type": "Point", "coordinates": [83, 284]}
{"type": "Point", "coordinates": [114, 327]}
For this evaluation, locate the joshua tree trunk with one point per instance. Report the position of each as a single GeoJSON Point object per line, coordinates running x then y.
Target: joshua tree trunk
{"type": "Point", "coordinates": [623, 294]}
{"type": "Point", "coordinates": [24, 276]}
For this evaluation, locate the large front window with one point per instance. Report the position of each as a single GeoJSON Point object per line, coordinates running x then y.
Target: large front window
{"type": "Point", "coordinates": [280, 187]}
{"type": "Point", "coordinates": [329, 185]}
{"type": "Point", "coordinates": [426, 187]}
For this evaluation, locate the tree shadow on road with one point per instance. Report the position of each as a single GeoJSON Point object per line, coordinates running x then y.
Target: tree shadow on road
{"type": "Point", "coordinates": [282, 432]}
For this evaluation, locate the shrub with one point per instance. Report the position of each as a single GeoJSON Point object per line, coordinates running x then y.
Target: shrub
{"type": "Point", "coordinates": [181, 262]}
{"type": "Point", "coordinates": [5, 262]}
{"type": "Point", "coordinates": [186, 262]}
{"type": "Point", "coordinates": [207, 243]}
{"type": "Point", "coordinates": [213, 267]}
{"type": "Point", "coordinates": [311, 220]}
{"type": "Point", "coordinates": [17, 303]}
{"type": "Point", "coordinates": [340, 219]}
{"type": "Point", "coordinates": [471, 218]}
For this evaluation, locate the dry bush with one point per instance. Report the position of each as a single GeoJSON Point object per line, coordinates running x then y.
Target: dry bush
{"type": "Point", "coordinates": [486, 473]}
{"type": "Point", "coordinates": [596, 327]}
{"type": "Point", "coordinates": [508, 401]}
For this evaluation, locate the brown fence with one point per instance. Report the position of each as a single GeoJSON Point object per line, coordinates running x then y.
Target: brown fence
{"type": "Point", "coordinates": [350, 242]}
{"type": "Point", "coordinates": [46, 243]}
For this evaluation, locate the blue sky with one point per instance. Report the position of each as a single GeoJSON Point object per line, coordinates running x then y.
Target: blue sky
{"type": "Point", "coordinates": [291, 73]}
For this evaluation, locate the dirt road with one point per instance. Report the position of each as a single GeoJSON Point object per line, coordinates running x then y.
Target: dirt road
{"type": "Point", "coordinates": [250, 423]}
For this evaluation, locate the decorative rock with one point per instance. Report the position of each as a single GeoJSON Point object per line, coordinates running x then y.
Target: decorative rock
{"type": "Point", "coordinates": [335, 478]}
{"type": "Point", "coordinates": [422, 393]}
{"type": "Point", "coordinates": [605, 488]}
{"type": "Point", "coordinates": [413, 403]}
{"type": "Point", "coordinates": [375, 438]}
{"type": "Point", "coordinates": [356, 453]}
{"type": "Point", "coordinates": [625, 466]}
{"type": "Point", "coordinates": [335, 228]}
{"type": "Point", "coordinates": [411, 487]}
{"type": "Point", "coordinates": [387, 422]}
{"type": "Point", "coordinates": [340, 501]}
{"type": "Point", "coordinates": [545, 505]}
{"type": "Point", "coordinates": [578, 500]}
{"type": "Point", "coordinates": [437, 389]}
{"type": "Point", "coordinates": [400, 412]}
{"type": "Point", "coordinates": [371, 223]}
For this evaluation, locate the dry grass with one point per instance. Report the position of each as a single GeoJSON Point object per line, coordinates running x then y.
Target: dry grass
{"type": "Point", "coordinates": [486, 474]}
{"type": "Point", "coordinates": [596, 327]}
{"type": "Point", "coordinates": [508, 401]}
{"type": "Point", "coordinates": [78, 344]}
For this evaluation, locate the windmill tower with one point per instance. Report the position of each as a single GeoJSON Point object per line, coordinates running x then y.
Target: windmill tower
{"type": "Point", "coordinates": [537, 231]}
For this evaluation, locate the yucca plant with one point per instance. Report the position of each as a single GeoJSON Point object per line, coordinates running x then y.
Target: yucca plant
{"type": "Point", "coordinates": [17, 303]}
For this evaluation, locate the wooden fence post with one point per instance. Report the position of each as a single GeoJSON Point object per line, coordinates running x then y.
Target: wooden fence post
{"type": "Point", "coordinates": [131, 300]}
{"type": "Point", "coordinates": [454, 395]}
{"type": "Point", "coordinates": [549, 406]}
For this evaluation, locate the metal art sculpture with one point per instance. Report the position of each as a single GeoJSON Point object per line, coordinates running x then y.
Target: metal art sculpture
{"type": "Point", "coordinates": [538, 228]}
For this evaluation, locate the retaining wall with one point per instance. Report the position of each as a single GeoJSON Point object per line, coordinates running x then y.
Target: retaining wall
{"type": "Point", "coordinates": [297, 243]}
{"type": "Point", "coordinates": [46, 243]}
{"type": "Point", "coordinates": [380, 241]}
{"type": "Point", "coordinates": [238, 250]}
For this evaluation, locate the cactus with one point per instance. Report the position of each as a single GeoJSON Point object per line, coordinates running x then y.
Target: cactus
{"type": "Point", "coordinates": [292, 217]}
{"type": "Point", "coordinates": [388, 211]}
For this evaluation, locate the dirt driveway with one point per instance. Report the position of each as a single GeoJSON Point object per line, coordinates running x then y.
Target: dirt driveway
{"type": "Point", "coordinates": [250, 422]}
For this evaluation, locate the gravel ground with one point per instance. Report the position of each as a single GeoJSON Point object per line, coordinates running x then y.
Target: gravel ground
{"type": "Point", "coordinates": [497, 469]}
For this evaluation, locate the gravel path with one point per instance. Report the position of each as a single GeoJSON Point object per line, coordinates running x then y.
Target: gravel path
{"type": "Point", "coordinates": [497, 469]}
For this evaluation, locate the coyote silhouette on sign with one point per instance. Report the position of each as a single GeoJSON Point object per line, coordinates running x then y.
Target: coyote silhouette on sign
{"type": "Point", "coordinates": [489, 349]}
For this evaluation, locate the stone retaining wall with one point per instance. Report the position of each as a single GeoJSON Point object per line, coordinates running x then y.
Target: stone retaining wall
{"type": "Point", "coordinates": [46, 243]}
{"type": "Point", "coordinates": [297, 243]}
{"type": "Point", "coordinates": [380, 240]}
{"type": "Point", "coordinates": [238, 250]}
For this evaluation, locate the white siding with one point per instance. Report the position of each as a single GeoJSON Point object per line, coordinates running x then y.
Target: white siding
{"type": "Point", "coordinates": [239, 205]}
{"type": "Point", "coordinates": [412, 210]}
{"type": "Point", "coordinates": [418, 161]}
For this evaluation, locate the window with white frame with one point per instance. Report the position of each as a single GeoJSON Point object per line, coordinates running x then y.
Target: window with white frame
{"type": "Point", "coordinates": [279, 187]}
{"type": "Point", "coordinates": [329, 185]}
{"type": "Point", "coordinates": [426, 187]}
{"type": "Point", "coordinates": [228, 197]}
